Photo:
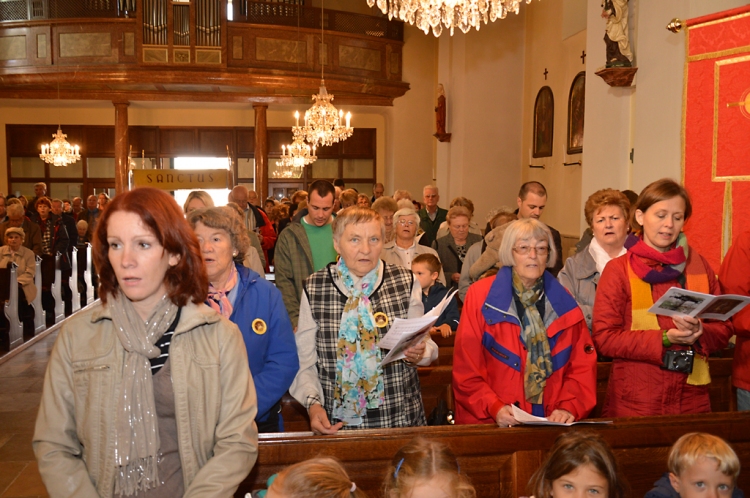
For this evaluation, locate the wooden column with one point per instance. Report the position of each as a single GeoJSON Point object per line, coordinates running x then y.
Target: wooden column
{"type": "Point", "coordinates": [261, 150]}
{"type": "Point", "coordinates": [122, 159]}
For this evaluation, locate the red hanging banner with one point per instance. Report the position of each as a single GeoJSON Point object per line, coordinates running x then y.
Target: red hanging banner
{"type": "Point", "coordinates": [716, 130]}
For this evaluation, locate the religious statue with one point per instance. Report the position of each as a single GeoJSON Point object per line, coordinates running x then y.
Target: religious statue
{"type": "Point", "coordinates": [440, 134]}
{"type": "Point", "coordinates": [616, 33]}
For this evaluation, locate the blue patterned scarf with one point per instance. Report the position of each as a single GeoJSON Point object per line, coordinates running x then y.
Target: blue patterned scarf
{"type": "Point", "coordinates": [359, 377]}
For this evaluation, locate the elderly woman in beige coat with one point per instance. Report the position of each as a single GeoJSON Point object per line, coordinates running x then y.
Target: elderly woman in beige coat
{"type": "Point", "coordinates": [405, 247]}
{"type": "Point", "coordinates": [14, 252]}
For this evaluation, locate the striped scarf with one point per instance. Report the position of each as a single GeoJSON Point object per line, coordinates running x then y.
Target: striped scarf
{"type": "Point", "coordinates": [647, 266]}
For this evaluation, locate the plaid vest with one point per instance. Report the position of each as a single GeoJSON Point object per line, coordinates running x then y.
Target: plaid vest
{"type": "Point", "coordinates": [402, 406]}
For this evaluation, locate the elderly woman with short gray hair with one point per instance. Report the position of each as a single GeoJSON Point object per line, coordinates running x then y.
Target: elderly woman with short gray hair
{"type": "Point", "coordinates": [346, 309]}
{"type": "Point", "coordinates": [522, 340]}
{"type": "Point", "coordinates": [243, 297]}
{"type": "Point", "coordinates": [405, 245]}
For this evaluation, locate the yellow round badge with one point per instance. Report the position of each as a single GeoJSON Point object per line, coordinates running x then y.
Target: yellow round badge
{"type": "Point", "coordinates": [381, 320]}
{"type": "Point", "coordinates": [259, 326]}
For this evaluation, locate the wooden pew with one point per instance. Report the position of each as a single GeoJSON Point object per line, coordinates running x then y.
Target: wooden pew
{"type": "Point", "coordinates": [40, 316]}
{"type": "Point", "coordinates": [73, 281]}
{"type": "Point", "coordinates": [12, 328]}
{"type": "Point", "coordinates": [85, 275]}
{"type": "Point", "coordinates": [436, 382]}
{"type": "Point", "coordinates": [500, 462]}
{"type": "Point", "coordinates": [52, 284]}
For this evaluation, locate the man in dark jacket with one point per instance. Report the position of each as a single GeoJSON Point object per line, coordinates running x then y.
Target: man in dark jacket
{"type": "Point", "coordinates": [16, 218]}
{"type": "Point", "coordinates": [431, 215]}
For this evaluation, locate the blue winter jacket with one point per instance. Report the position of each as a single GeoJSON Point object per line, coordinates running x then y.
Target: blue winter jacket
{"type": "Point", "coordinates": [272, 352]}
{"type": "Point", "coordinates": [450, 314]}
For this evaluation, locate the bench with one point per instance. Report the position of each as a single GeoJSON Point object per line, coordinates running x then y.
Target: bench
{"type": "Point", "coordinates": [85, 275]}
{"type": "Point", "coordinates": [436, 383]}
{"type": "Point", "coordinates": [52, 288]}
{"type": "Point", "coordinates": [11, 328]}
{"type": "Point", "coordinates": [500, 462]}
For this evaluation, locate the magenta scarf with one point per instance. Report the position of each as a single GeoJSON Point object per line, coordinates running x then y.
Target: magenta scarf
{"type": "Point", "coordinates": [656, 267]}
{"type": "Point", "coordinates": [217, 298]}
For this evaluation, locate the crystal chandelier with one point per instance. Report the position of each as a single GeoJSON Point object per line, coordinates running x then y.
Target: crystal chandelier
{"type": "Point", "coordinates": [59, 152]}
{"type": "Point", "coordinates": [323, 122]}
{"type": "Point", "coordinates": [294, 158]}
{"type": "Point", "coordinates": [436, 14]}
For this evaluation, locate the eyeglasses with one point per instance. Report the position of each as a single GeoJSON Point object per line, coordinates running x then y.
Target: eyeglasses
{"type": "Point", "coordinates": [524, 250]}
{"type": "Point", "coordinates": [406, 223]}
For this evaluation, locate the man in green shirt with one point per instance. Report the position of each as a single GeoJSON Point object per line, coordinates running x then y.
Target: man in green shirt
{"type": "Point", "coordinates": [305, 246]}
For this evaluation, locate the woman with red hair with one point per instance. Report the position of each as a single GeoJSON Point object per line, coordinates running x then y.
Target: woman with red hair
{"type": "Point", "coordinates": [147, 393]}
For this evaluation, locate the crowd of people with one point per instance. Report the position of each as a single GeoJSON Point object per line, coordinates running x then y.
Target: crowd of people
{"type": "Point", "coordinates": [159, 363]}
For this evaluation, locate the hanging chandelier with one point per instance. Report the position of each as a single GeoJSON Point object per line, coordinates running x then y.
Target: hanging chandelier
{"type": "Point", "coordinates": [324, 124]}
{"type": "Point", "coordinates": [451, 14]}
{"type": "Point", "coordinates": [59, 152]}
{"type": "Point", "coordinates": [294, 158]}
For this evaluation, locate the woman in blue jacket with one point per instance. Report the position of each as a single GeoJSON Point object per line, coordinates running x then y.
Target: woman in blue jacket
{"type": "Point", "coordinates": [253, 304]}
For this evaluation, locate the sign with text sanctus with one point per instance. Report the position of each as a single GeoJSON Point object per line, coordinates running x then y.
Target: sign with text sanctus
{"type": "Point", "coordinates": [181, 179]}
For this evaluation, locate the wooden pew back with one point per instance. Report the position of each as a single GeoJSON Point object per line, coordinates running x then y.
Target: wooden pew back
{"type": "Point", "coordinates": [500, 462]}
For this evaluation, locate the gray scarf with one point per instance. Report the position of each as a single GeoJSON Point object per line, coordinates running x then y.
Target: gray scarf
{"type": "Point", "coordinates": [137, 435]}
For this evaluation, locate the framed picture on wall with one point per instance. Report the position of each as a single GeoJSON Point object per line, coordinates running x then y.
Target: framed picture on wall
{"type": "Point", "coordinates": [544, 120]}
{"type": "Point", "coordinates": [576, 105]}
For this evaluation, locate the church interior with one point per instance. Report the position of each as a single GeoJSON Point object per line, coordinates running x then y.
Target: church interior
{"type": "Point", "coordinates": [134, 101]}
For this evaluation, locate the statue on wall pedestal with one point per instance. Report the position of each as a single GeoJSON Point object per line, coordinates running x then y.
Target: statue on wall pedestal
{"type": "Point", "coordinates": [616, 33]}
{"type": "Point", "coordinates": [440, 134]}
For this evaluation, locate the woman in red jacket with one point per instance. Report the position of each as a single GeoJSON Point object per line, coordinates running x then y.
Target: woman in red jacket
{"type": "Point", "coordinates": [523, 340]}
{"type": "Point", "coordinates": [639, 342]}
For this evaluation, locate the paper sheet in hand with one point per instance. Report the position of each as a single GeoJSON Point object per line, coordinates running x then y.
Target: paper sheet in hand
{"type": "Point", "coordinates": [406, 332]}
{"type": "Point", "coordinates": [403, 334]}
{"type": "Point", "coordinates": [529, 419]}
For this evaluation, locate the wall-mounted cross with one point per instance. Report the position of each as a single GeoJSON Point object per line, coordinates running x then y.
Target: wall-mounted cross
{"type": "Point", "coordinates": [583, 57]}
{"type": "Point", "coordinates": [545, 73]}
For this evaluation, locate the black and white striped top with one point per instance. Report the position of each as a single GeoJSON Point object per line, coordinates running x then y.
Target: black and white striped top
{"type": "Point", "coordinates": [163, 345]}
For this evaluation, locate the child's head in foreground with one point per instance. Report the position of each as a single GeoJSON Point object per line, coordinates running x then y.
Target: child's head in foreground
{"type": "Point", "coordinates": [426, 267]}
{"type": "Point", "coordinates": [321, 477]}
{"type": "Point", "coordinates": [701, 463]}
{"type": "Point", "coordinates": [580, 462]}
{"type": "Point", "coordinates": [426, 469]}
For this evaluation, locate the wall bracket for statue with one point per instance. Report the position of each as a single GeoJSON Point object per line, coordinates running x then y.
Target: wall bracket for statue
{"type": "Point", "coordinates": [617, 76]}
{"type": "Point", "coordinates": [441, 134]}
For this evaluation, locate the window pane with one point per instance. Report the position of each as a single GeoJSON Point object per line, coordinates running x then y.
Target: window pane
{"type": "Point", "coordinates": [325, 168]}
{"type": "Point", "coordinates": [74, 170]}
{"type": "Point", "coordinates": [143, 163]}
{"type": "Point", "coordinates": [359, 168]}
{"type": "Point", "coordinates": [65, 190]}
{"type": "Point", "coordinates": [26, 189]}
{"type": "Point", "coordinates": [101, 167]}
{"type": "Point", "coordinates": [246, 167]}
{"type": "Point", "coordinates": [26, 167]}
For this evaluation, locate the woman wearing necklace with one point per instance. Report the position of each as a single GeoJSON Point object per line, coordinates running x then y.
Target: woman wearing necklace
{"type": "Point", "coordinates": [148, 393]}
{"type": "Point", "coordinates": [243, 297]}
{"type": "Point", "coordinates": [452, 248]}
{"type": "Point", "coordinates": [639, 342]}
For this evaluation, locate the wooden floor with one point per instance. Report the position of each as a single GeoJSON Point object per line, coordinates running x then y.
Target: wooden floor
{"type": "Point", "coordinates": [21, 380]}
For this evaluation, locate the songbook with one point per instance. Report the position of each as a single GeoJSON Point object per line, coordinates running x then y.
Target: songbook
{"type": "Point", "coordinates": [526, 418]}
{"type": "Point", "coordinates": [406, 332]}
{"type": "Point", "coordinates": [682, 302]}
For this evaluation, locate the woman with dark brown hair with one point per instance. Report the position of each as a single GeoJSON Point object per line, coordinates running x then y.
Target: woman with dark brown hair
{"type": "Point", "coordinates": [580, 463]}
{"type": "Point", "coordinates": [644, 379]}
{"type": "Point", "coordinates": [147, 393]}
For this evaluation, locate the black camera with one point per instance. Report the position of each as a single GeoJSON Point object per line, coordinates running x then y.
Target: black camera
{"type": "Point", "coordinates": [679, 360]}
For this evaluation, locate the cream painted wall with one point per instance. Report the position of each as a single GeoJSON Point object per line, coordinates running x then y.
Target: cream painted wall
{"type": "Point", "coordinates": [482, 72]}
{"type": "Point", "coordinates": [546, 49]}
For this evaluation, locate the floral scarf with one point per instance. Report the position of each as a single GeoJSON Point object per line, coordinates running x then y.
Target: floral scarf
{"type": "Point", "coordinates": [656, 267]}
{"type": "Point", "coordinates": [359, 376]}
{"type": "Point", "coordinates": [534, 335]}
{"type": "Point", "coordinates": [217, 298]}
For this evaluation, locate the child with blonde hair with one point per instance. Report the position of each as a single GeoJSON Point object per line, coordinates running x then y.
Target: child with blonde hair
{"type": "Point", "coordinates": [700, 465]}
{"type": "Point", "coordinates": [426, 469]}
{"type": "Point", "coordinates": [321, 477]}
{"type": "Point", "coordinates": [580, 463]}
